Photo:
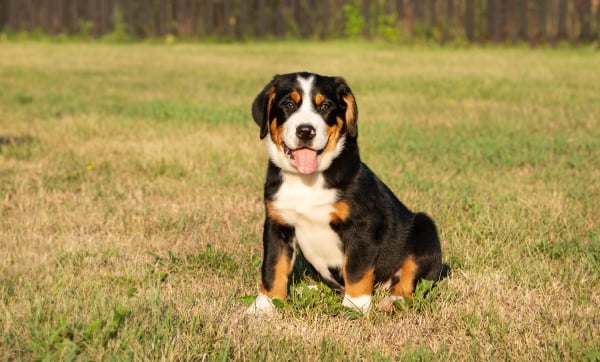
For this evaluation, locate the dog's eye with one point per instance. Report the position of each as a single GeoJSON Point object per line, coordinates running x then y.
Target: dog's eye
{"type": "Point", "coordinates": [324, 107]}
{"type": "Point", "coordinates": [289, 105]}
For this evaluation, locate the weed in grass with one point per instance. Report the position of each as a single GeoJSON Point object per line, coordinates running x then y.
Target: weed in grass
{"type": "Point", "coordinates": [23, 99]}
{"type": "Point", "coordinates": [69, 339]}
{"type": "Point", "coordinates": [423, 299]}
{"type": "Point", "coordinates": [216, 261]}
{"type": "Point", "coordinates": [17, 147]}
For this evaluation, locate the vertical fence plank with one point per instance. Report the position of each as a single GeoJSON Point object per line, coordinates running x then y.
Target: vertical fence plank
{"type": "Point", "coordinates": [208, 17]}
{"type": "Point", "coordinates": [523, 32]}
{"type": "Point", "coordinates": [491, 13]}
{"type": "Point", "coordinates": [450, 24]}
{"type": "Point", "coordinates": [227, 18]}
{"type": "Point", "coordinates": [469, 20]}
{"type": "Point", "coordinates": [4, 9]}
{"type": "Point", "coordinates": [562, 20]}
{"type": "Point", "coordinates": [541, 11]}
{"type": "Point", "coordinates": [325, 21]}
{"type": "Point", "coordinates": [244, 31]}
{"type": "Point", "coordinates": [409, 11]}
{"type": "Point", "coordinates": [586, 28]}
{"type": "Point", "coordinates": [597, 22]}
{"type": "Point", "coordinates": [366, 13]}
{"type": "Point", "coordinates": [281, 18]}
{"type": "Point", "coordinates": [262, 19]}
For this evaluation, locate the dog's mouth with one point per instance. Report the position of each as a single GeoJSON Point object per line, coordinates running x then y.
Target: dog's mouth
{"type": "Point", "coordinates": [305, 158]}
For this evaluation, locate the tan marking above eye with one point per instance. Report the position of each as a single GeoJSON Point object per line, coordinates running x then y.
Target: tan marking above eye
{"type": "Point", "coordinates": [296, 97]}
{"type": "Point", "coordinates": [319, 99]}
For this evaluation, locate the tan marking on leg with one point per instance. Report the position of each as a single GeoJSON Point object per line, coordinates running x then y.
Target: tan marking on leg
{"type": "Point", "coordinates": [406, 286]}
{"type": "Point", "coordinates": [283, 268]}
{"type": "Point", "coordinates": [363, 286]}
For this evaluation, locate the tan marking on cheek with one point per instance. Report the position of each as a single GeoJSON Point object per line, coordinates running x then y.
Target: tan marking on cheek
{"type": "Point", "coordinates": [319, 99]}
{"type": "Point", "coordinates": [363, 286]}
{"type": "Point", "coordinates": [333, 134]}
{"type": "Point", "coordinates": [351, 115]}
{"type": "Point", "coordinates": [270, 102]}
{"type": "Point", "coordinates": [296, 97]}
{"type": "Point", "coordinates": [283, 268]}
{"type": "Point", "coordinates": [273, 213]}
{"type": "Point", "coordinates": [349, 99]}
{"type": "Point", "coordinates": [406, 286]}
{"type": "Point", "coordinates": [341, 211]}
{"type": "Point", "coordinates": [276, 133]}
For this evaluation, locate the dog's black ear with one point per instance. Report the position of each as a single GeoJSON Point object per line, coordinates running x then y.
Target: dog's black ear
{"type": "Point", "coordinates": [261, 107]}
{"type": "Point", "coordinates": [346, 98]}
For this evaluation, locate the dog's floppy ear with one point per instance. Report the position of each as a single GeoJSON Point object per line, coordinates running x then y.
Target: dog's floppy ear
{"type": "Point", "coordinates": [261, 107]}
{"type": "Point", "coordinates": [346, 98]}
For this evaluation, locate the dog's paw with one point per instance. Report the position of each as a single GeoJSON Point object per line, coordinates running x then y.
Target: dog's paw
{"type": "Point", "coordinates": [361, 304]}
{"type": "Point", "coordinates": [387, 304]}
{"type": "Point", "coordinates": [262, 305]}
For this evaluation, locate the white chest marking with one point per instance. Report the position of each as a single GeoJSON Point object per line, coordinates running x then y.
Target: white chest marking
{"type": "Point", "coordinates": [305, 203]}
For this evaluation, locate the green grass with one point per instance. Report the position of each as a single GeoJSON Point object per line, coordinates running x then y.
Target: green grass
{"type": "Point", "coordinates": [130, 202]}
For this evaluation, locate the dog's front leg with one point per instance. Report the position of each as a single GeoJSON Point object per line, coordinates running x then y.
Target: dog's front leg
{"type": "Point", "coordinates": [278, 259]}
{"type": "Point", "coordinates": [359, 280]}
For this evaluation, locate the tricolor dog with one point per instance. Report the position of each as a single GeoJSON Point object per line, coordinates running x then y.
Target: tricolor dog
{"type": "Point", "coordinates": [321, 199]}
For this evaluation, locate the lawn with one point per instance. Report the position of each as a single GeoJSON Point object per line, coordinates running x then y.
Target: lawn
{"type": "Point", "coordinates": [131, 202]}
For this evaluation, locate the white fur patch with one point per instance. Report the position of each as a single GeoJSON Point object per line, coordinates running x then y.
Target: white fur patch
{"type": "Point", "coordinates": [304, 202]}
{"type": "Point", "coordinates": [262, 305]}
{"type": "Point", "coordinates": [362, 303]}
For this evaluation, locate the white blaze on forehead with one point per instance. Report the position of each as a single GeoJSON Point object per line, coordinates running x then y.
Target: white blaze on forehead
{"type": "Point", "coordinates": [306, 85]}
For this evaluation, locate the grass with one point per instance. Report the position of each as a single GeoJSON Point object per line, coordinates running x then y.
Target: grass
{"type": "Point", "coordinates": [130, 202]}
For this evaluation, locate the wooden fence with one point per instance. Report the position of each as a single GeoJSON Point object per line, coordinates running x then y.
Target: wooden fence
{"type": "Point", "coordinates": [534, 21]}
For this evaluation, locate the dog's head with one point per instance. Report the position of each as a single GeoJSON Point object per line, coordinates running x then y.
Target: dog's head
{"type": "Point", "coordinates": [308, 118]}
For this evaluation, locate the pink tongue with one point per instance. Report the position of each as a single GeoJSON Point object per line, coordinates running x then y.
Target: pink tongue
{"type": "Point", "coordinates": [306, 160]}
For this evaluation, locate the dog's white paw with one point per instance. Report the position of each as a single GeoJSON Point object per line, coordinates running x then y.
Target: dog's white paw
{"type": "Point", "coordinates": [362, 303]}
{"type": "Point", "coordinates": [262, 305]}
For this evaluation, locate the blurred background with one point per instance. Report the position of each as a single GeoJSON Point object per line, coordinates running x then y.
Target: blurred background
{"type": "Point", "coordinates": [536, 22]}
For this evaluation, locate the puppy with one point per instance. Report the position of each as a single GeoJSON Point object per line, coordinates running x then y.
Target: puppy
{"type": "Point", "coordinates": [322, 199]}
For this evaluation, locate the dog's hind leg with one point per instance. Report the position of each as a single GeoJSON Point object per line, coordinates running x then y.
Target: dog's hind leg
{"type": "Point", "coordinates": [424, 261]}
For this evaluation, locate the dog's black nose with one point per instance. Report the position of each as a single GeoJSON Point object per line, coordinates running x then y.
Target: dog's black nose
{"type": "Point", "coordinates": [306, 132]}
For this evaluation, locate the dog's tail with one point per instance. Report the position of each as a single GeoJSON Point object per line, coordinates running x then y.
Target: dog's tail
{"type": "Point", "coordinates": [444, 272]}
{"type": "Point", "coordinates": [425, 231]}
